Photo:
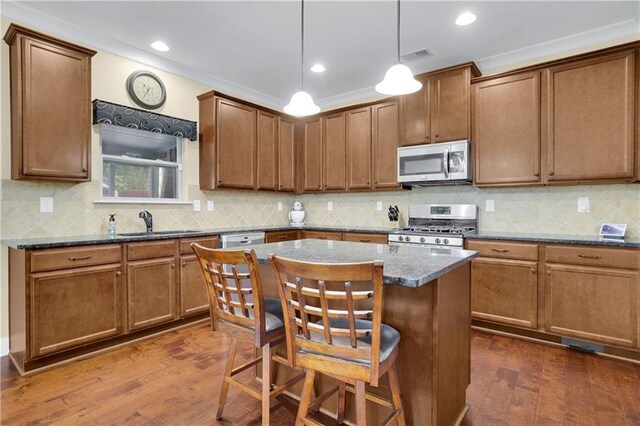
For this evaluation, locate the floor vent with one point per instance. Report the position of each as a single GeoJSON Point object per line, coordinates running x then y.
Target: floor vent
{"type": "Point", "coordinates": [414, 56]}
{"type": "Point", "coordinates": [581, 345]}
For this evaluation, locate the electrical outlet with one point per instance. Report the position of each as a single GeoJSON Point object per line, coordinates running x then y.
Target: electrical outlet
{"type": "Point", "coordinates": [329, 205]}
{"type": "Point", "coordinates": [490, 206]}
{"type": "Point", "coordinates": [279, 206]}
{"type": "Point", "coordinates": [583, 204]}
{"type": "Point", "coordinates": [210, 205]}
{"type": "Point", "coordinates": [379, 206]}
{"type": "Point", "coordinates": [46, 205]}
{"type": "Point", "coordinates": [196, 205]}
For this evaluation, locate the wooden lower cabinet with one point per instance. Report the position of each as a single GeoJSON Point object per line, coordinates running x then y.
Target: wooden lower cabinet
{"type": "Point", "coordinates": [323, 235]}
{"type": "Point", "coordinates": [279, 236]}
{"type": "Point", "coordinates": [359, 237]}
{"type": "Point", "coordinates": [74, 307]}
{"type": "Point", "coordinates": [193, 292]}
{"type": "Point", "coordinates": [151, 292]}
{"type": "Point", "coordinates": [505, 291]}
{"type": "Point", "coordinates": [591, 303]}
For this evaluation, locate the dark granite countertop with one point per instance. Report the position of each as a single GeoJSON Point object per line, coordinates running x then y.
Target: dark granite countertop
{"type": "Point", "coordinates": [83, 240]}
{"type": "Point", "coordinates": [554, 238]}
{"type": "Point", "coordinates": [403, 265]}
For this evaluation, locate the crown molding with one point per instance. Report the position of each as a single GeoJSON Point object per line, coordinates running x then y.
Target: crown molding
{"type": "Point", "coordinates": [39, 21]}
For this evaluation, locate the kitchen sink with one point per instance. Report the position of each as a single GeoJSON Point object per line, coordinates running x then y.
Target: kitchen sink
{"type": "Point", "coordinates": [141, 234]}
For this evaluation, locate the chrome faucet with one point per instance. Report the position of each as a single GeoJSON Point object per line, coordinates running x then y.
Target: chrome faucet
{"type": "Point", "coordinates": [148, 220]}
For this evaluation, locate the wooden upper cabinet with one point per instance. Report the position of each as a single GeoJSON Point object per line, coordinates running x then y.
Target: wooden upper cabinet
{"type": "Point", "coordinates": [267, 146]}
{"type": "Point", "coordinates": [359, 156]}
{"type": "Point", "coordinates": [312, 154]}
{"type": "Point", "coordinates": [235, 144]}
{"type": "Point", "coordinates": [506, 130]}
{"type": "Point", "coordinates": [451, 108]}
{"type": "Point", "coordinates": [385, 139]}
{"type": "Point", "coordinates": [286, 154]}
{"type": "Point", "coordinates": [50, 107]}
{"type": "Point", "coordinates": [589, 112]}
{"type": "Point", "coordinates": [334, 151]}
{"type": "Point", "coordinates": [415, 127]}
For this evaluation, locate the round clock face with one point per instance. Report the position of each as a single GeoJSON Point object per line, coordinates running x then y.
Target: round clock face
{"type": "Point", "coordinates": [146, 89]}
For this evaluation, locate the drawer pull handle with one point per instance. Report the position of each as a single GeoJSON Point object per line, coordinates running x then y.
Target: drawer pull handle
{"type": "Point", "coordinates": [282, 237]}
{"type": "Point", "coordinates": [364, 240]}
{"type": "Point", "coordinates": [584, 256]}
{"type": "Point", "coordinates": [80, 258]}
{"type": "Point", "coordinates": [322, 238]}
{"type": "Point", "coordinates": [501, 250]}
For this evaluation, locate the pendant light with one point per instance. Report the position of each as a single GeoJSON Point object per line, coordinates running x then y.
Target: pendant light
{"type": "Point", "coordinates": [399, 79]}
{"type": "Point", "coordinates": [301, 103]}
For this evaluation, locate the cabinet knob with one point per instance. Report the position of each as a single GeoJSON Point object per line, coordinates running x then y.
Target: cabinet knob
{"type": "Point", "coordinates": [368, 183]}
{"type": "Point", "coordinates": [536, 174]}
{"type": "Point", "coordinates": [173, 265]}
{"type": "Point", "coordinates": [548, 272]}
{"type": "Point", "coordinates": [84, 169]}
{"type": "Point", "coordinates": [551, 173]}
{"type": "Point", "coordinates": [533, 270]}
{"type": "Point", "coordinates": [118, 273]}
{"type": "Point", "coordinates": [437, 135]}
{"type": "Point", "coordinates": [184, 263]}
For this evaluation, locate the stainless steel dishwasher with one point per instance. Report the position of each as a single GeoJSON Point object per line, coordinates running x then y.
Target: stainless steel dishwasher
{"type": "Point", "coordinates": [236, 241]}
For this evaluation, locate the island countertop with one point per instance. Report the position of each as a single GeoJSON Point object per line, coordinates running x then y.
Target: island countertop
{"type": "Point", "coordinates": [403, 265]}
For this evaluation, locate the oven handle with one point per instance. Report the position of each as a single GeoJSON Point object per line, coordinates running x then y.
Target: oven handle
{"type": "Point", "coordinates": [445, 163]}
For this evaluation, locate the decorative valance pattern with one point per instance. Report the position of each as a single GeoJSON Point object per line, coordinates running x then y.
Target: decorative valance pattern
{"type": "Point", "coordinates": [133, 118]}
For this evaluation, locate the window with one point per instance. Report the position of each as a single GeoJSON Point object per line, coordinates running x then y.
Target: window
{"type": "Point", "coordinates": [138, 164]}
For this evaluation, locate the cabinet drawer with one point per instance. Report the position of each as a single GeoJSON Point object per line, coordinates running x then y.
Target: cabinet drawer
{"type": "Point", "coordinates": [48, 260]}
{"type": "Point", "coordinates": [596, 256]}
{"type": "Point", "coordinates": [277, 236]}
{"type": "Point", "coordinates": [504, 250]}
{"type": "Point", "coordinates": [211, 242]}
{"type": "Point", "coordinates": [364, 238]}
{"type": "Point", "coordinates": [151, 250]}
{"type": "Point", "coordinates": [322, 235]}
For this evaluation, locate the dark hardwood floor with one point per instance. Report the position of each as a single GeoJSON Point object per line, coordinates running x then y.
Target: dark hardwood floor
{"type": "Point", "coordinates": [175, 378]}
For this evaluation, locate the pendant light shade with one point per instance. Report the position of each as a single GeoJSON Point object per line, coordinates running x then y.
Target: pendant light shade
{"type": "Point", "coordinates": [399, 79]}
{"type": "Point", "coordinates": [301, 103]}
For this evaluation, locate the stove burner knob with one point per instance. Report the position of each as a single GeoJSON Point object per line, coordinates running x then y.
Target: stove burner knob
{"type": "Point", "coordinates": [407, 239]}
{"type": "Point", "coordinates": [400, 239]}
{"type": "Point", "coordinates": [437, 240]}
{"type": "Point", "coordinates": [446, 241]}
{"type": "Point", "coordinates": [422, 239]}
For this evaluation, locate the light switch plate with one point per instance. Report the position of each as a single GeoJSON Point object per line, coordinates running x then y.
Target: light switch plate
{"type": "Point", "coordinates": [279, 206]}
{"type": "Point", "coordinates": [379, 206]}
{"type": "Point", "coordinates": [490, 206]}
{"type": "Point", "coordinates": [583, 204]}
{"type": "Point", "coordinates": [196, 205]}
{"type": "Point", "coordinates": [210, 205]}
{"type": "Point", "coordinates": [330, 205]}
{"type": "Point", "coordinates": [46, 205]}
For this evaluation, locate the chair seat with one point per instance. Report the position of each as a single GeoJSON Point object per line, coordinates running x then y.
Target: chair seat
{"type": "Point", "coordinates": [389, 338]}
{"type": "Point", "coordinates": [273, 317]}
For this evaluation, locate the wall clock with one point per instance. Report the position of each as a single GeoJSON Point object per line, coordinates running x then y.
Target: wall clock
{"type": "Point", "coordinates": [146, 89]}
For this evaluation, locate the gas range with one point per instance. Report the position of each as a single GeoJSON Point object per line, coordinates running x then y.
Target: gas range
{"type": "Point", "coordinates": [437, 225]}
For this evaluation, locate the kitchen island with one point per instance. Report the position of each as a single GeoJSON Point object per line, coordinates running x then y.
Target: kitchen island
{"type": "Point", "coordinates": [427, 299]}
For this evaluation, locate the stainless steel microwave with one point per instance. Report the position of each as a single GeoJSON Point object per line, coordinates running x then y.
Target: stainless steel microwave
{"type": "Point", "coordinates": [433, 164]}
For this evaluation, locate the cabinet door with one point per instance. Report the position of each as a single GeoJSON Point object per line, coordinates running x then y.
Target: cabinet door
{"type": "Point", "coordinates": [334, 151]}
{"type": "Point", "coordinates": [385, 138]}
{"type": "Point", "coordinates": [279, 236]}
{"type": "Point", "coordinates": [151, 292]}
{"type": "Point", "coordinates": [451, 107]}
{"type": "Point", "coordinates": [415, 115]}
{"type": "Point", "coordinates": [74, 307]}
{"type": "Point", "coordinates": [312, 145]}
{"type": "Point", "coordinates": [506, 130]}
{"type": "Point", "coordinates": [56, 111]}
{"type": "Point", "coordinates": [286, 155]}
{"type": "Point", "coordinates": [193, 290]}
{"type": "Point", "coordinates": [505, 291]}
{"type": "Point", "coordinates": [359, 156]}
{"type": "Point", "coordinates": [596, 304]}
{"type": "Point", "coordinates": [267, 145]}
{"type": "Point", "coordinates": [589, 115]}
{"type": "Point", "coordinates": [236, 144]}
{"type": "Point", "coordinates": [323, 235]}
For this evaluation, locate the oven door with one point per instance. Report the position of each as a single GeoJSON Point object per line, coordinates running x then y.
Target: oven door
{"type": "Point", "coordinates": [437, 162]}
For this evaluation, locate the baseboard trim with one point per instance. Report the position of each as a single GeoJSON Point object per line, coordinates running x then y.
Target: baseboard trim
{"type": "Point", "coordinates": [4, 346]}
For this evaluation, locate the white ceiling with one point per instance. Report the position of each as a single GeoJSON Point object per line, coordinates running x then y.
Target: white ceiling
{"type": "Point", "coordinates": [251, 49]}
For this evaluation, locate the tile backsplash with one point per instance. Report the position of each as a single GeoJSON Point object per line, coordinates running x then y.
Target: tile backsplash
{"type": "Point", "coordinates": [536, 210]}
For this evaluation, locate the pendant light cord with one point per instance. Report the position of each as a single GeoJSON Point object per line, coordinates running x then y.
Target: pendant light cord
{"type": "Point", "coordinates": [398, 31]}
{"type": "Point", "coordinates": [302, 47]}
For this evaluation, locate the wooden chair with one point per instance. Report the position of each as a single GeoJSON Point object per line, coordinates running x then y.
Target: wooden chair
{"type": "Point", "coordinates": [355, 349]}
{"type": "Point", "coordinates": [244, 314]}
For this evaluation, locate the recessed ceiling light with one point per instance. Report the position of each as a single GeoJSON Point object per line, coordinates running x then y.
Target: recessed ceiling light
{"type": "Point", "coordinates": [160, 46]}
{"type": "Point", "coordinates": [465, 18]}
{"type": "Point", "coordinates": [318, 68]}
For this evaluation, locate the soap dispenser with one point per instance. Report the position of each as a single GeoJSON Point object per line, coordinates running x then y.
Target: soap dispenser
{"type": "Point", "coordinates": [111, 226]}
